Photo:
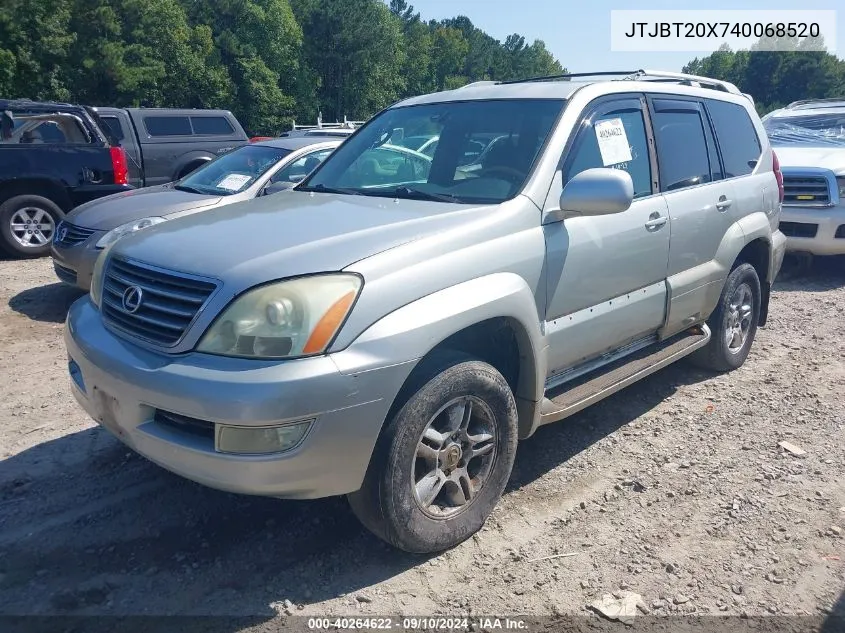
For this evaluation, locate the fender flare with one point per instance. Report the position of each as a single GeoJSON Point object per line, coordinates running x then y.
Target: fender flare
{"type": "Point", "coordinates": [409, 333]}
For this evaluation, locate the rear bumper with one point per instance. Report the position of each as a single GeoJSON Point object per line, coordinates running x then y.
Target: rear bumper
{"type": "Point", "coordinates": [814, 230]}
{"type": "Point", "coordinates": [122, 386]}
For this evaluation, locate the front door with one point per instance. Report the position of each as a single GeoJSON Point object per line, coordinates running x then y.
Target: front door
{"type": "Point", "coordinates": [606, 275]}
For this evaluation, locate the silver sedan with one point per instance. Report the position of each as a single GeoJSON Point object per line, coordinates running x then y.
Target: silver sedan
{"type": "Point", "coordinates": [249, 171]}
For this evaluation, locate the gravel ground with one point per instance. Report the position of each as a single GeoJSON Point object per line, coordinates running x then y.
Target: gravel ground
{"type": "Point", "coordinates": [675, 489]}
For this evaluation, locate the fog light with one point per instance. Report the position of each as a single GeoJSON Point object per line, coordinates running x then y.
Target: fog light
{"type": "Point", "coordinates": [260, 440]}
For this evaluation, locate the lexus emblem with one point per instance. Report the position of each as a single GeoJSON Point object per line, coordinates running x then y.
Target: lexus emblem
{"type": "Point", "coordinates": [132, 298]}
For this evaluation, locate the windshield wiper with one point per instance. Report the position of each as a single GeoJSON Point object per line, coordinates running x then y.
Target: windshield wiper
{"type": "Point", "coordinates": [417, 194]}
{"type": "Point", "coordinates": [188, 189]}
{"type": "Point", "coordinates": [321, 188]}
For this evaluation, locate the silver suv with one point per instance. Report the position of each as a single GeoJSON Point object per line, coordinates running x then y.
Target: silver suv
{"type": "Point", "coordinates": [391, 327]}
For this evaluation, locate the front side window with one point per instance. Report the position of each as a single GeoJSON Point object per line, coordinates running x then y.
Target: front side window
{"type": "Point", "coordinates": [617, 140]}
{"type": "Point", "coordinates": [232, 172]}
{"type": "Point", "coordinates": [476, 152]}
{"type": "Point", "coordinates": [681, 148]}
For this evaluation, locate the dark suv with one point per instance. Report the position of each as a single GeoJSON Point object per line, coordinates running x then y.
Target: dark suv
{"type": "Point", "coordinates": [53, 157]}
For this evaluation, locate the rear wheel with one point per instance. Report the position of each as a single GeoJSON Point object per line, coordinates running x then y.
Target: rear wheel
{"type": "Point", "coordinates": [733, 323]}
{"type": "Point", "coordinates": [443, 459]}
{"type": "Point", "coordinates": [27, 225]}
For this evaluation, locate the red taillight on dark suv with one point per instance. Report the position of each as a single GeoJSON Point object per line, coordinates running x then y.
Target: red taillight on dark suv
{"type": "Point", "coordinates": [778, 176]}
{"type": "Point", "coordinates": [118, 163]}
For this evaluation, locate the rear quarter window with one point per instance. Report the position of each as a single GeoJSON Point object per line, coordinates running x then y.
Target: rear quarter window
{"type": "Point", "coordinates": [211, 125]}
{"type": "Point", "coordinates": [737, 137]}
{"type": "Point", "coordinates": [168, 126]}
{"type": "Point", "coordinates": [114, 126]}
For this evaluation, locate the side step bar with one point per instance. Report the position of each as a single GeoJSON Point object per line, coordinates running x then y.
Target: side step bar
{"type": "Point", "coordinates": [578, 394]}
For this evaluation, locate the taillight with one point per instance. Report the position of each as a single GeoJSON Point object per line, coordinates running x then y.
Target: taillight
{"type": "Point", "coordinates": [778, 176]}
{"type": "Point", "coordinates": [118, 163]}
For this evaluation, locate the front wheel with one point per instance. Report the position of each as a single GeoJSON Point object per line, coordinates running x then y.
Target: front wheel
{"type": "Point", "coordinates": [443, 459]}
{"type": "Point", "coordinates": [733, 323]}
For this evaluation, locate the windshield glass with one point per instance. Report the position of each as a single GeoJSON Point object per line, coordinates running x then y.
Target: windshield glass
{"type": "Point", "coordinates": [234, 171]}
{"type": "Point", "coordinates": [811, 129]}
{"type": "Point", "coordinates": [470, 151]}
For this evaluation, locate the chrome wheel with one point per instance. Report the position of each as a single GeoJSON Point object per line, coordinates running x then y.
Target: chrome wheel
{"type": "Point", "coordinates": [454, 457]}
{"type": "Point", "coordinates": [740, 312]}
{"type": "Point", "coordinates": [32, 227]}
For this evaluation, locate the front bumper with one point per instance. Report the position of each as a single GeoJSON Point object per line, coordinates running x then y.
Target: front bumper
{"type": "Point", "coordinates": [814, 230]}
{"type": "Point", "coordinates": [75, 264]}
{"type": "Point", "coordinates": [122, 386]}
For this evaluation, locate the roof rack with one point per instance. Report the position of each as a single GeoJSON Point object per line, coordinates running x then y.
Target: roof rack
{"type": "Point", "coordinates": [807, 102]}
{"type": "Point", "coordinates": [568, 76]}
{"type": "Point", "coordinates": [643, 75]}
{"type": "Point", "coordinates": [345, 125]}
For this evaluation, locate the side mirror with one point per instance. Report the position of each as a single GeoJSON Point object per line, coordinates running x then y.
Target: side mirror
{"type": "Point", "coordinates": [597, 191]}
{"type": "Point", "coordinates": [276, 187]}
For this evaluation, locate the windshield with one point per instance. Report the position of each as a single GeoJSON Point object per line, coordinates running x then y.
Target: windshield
{"type": "Point", "coordinates": [467, 152]}
{"type": "Point", "coordinates": [815, 129]}
{"type": "Point", "coordinates": [232, 172]}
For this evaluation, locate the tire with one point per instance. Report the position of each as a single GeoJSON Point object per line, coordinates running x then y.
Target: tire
{"type": "Point", "coordinates": [16, 214]}
{"type": "Point", "coordinates": [721, 354]}
{"type": "Point", "coordinates": [387, 503]}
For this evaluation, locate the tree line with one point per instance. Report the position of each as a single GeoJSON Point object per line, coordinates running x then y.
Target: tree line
{"type": "Point", "coordinates": [273, 61]}
{"type": "Point", "coordinates": [269, 61]}
{"type": "Point", "coordinates": [787, 70]}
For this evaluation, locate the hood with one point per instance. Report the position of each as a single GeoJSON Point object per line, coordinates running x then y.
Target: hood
{"type": "Point", "coordinates": [289, 233]}
{"type": "Point", "coordinates": [824, 157]}
{"type": "Point", "coordinates": [111, 211]}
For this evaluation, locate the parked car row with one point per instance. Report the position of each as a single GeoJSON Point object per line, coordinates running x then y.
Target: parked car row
{"type": "Point", "coordinates": [464, 268]}
{"type": "Point", "coordinates": [55, 157]}
{"type": "Point", "coordinates": [256, 169]}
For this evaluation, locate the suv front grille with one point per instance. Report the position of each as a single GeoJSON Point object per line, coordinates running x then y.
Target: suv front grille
{"type": "Point", "coordinates": [161, 305]}
{"type": "Point", "coordinates": [808, 191]}
{"type": "Point", "coordinates": [798, 229]}
{"type": "Point", "coordinates": [68, 234]}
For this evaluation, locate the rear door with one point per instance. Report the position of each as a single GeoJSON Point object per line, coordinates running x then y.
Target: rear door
{"type": "Point", "coordinates": [699, 199]}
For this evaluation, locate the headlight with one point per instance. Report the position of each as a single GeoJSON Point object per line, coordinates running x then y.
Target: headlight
{"type": "Point", "coordinates": [124, 229]}
{"type": "Point", "coordinates": [840, 181]}
{"type": "Point", "coordinates": [299, 317]}
{"type": "Point", "coordinates": [96, 291]}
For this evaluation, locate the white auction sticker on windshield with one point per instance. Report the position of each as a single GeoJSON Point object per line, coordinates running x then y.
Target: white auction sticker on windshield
{"type": "Point", "coordinates": [613, 142]}
{"type": "Point", "coordinates": [233, 182]}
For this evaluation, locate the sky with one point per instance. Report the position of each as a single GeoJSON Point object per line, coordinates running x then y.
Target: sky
{"type": "Point", "coordinates": [577, 32]}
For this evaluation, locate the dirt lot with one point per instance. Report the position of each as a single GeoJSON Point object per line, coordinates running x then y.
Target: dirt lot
{"type": "Point", "coordinates": [675, 489]}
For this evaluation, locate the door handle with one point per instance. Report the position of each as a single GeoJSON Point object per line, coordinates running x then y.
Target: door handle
{"type": "Point", "coordinates": [723, 203]}
{"type": "Point", "coordinates": [655, 221]}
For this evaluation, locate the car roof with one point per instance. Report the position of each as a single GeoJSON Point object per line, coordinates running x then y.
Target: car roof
{"type": "Point", "coordinates": [817, 108]}
{"type": "Point", "coordinates": [563, 87]}
{"type": "Point", "coordinates": [298, 142]}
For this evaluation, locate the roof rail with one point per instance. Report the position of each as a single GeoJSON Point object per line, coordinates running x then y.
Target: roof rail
{"type": "Point", "coordinates": [568, 76]}
{"type": "Point", "coordinates": [803, 102]}
{"type": "Point", "coordinates": [684, 78]}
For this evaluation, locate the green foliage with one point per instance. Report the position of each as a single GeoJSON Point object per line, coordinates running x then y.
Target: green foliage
{"type": "Point", "coordinates": [795, 70]}
{"type": "Point", "coordinates": [267, 60]}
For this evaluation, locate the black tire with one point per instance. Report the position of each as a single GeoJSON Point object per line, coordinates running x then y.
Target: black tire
{"type": "Point", "coordinates": [386, 503]}
{"type": "Point", "coordinates": [12, 208]}
{"type": "Point", "coordinates": [718, 355]}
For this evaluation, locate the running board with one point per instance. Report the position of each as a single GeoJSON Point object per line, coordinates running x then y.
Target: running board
{"type": "Point", "coordinates": [578, 394]}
